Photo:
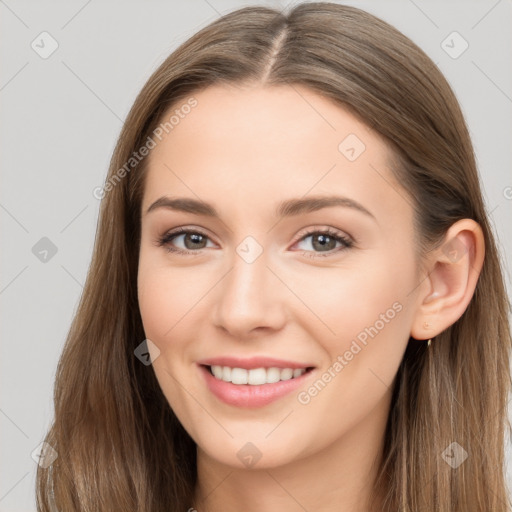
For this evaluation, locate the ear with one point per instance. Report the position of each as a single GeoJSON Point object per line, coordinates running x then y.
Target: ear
{"type": "Point", "coordinates": [453, 271]}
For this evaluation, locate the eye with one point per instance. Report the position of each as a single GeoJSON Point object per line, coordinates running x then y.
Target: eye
{"type": "Point", "coordinates": [193, 241]}
{"type": "Point", "coordinates": [324, 241]}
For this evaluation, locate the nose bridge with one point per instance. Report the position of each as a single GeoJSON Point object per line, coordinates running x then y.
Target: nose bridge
{"type": "Point", "coordinates": [250, 294]}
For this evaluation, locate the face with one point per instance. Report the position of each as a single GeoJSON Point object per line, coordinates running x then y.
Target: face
{"type": "Point", "coordinates": [301, 264]}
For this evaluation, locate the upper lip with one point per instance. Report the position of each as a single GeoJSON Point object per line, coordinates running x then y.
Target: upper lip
{"type": "Point", "coordinates": [252, 362]}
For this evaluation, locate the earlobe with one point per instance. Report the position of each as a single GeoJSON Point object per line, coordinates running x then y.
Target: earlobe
{"type": "Point", "coordinates": [454, 268]}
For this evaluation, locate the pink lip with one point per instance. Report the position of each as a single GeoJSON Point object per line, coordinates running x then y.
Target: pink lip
{"type": "Point", "coordinates": [252, 362]}
{"type": "Point", "coordinates": [247, 395]}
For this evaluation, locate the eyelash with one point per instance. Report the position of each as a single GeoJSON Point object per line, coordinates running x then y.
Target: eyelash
{"type": "Point", "coordinates": [165, 240]}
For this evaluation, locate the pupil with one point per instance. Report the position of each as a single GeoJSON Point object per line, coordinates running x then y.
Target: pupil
{"type": "Point", "coordinates": [320, 241]}
{"type": "Point", "coordinates": [195, 239]}
{"type": "Point", "coordinates": [323, 241]}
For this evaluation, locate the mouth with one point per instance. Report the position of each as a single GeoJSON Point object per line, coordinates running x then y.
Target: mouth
{"type": "Point", "coordinates": [255, 376]}
{"type": "Point", "coordinates": [253, 387]}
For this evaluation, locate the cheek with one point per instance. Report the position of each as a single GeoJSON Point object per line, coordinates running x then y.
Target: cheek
{"type": "Point", "coordinates": [154, 304]}
{"type": "Point", "coordinates": [164, 300]}
{"type": "Point", "coordinates": [365, 330]}
{"type": "Point", "coordinates": [166, 295]}
{"type": "Point", "coordinates": [364, 315]}
{"type": "Point", "coordinates": [349, 300]}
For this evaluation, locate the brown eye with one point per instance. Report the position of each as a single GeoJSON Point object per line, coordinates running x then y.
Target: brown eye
{"type": "Point", "coordinates": [194, 241]}
{"type": "Point", "coordinates": [184, 241]}
{"type": "Point", "coordinates": [324, 241]}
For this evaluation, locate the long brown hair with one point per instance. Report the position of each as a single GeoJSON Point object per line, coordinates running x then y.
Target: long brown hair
{"type": "Point", "coordinates": [119, 444]}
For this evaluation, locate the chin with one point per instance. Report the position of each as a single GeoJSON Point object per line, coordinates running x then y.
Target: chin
{"type": "Point", "coordinates": [253, 452]}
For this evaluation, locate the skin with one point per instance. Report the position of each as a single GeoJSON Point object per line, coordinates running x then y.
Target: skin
{"type": "Point", "coordinates": [244, 150]}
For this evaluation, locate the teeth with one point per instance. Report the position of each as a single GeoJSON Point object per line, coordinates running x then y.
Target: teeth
{"type": "Point", "coordinates": [226, 373]}
{"type": "Point", "coordinates": [238, 376]}
{"type": "Point", "coordinates": [256, 376]}
{"type": "Point", "coordinates": [286, 374]}
{"type": "Point", "coordinates": [273, 375]}
{"type": "Point", "coordinates": [218, 371]}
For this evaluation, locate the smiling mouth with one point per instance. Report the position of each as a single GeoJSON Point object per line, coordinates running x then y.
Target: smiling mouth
{"type": "Point", "coordinates": [255, 376]}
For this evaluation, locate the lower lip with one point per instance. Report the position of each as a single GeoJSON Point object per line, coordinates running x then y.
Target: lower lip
{"type": "Point", "coordinates": [247, 395]}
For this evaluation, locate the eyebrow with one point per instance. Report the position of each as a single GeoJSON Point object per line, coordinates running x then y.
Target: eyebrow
{"type": "Point", "coordinates": [287, 208]}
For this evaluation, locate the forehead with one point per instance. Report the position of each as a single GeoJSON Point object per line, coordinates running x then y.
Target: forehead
{"type": "Point", "coordinates": [247, 146]}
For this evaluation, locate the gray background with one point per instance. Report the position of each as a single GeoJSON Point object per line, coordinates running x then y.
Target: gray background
{"type": "Point", "coordinates": [62, 115]}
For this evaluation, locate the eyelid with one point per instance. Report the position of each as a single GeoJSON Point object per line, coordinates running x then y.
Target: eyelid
{"type": "Point", "coordinates": [341, 236]}
{"type": "Point", "coordinates": [185, 229]}
{"type": "Point", "coordinates": [165, 239]}
{"type": "Point", "coordinates": [304, 232]}
{"type": "Point", "coordinates": [324, 229]}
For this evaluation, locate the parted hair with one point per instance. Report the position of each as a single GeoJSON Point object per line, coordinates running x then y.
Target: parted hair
{"type": "Point", "coordinates": [120, 446]}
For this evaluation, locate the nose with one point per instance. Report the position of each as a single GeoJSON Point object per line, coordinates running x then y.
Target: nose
{"type": "Point", "coordinates": [250, 298]}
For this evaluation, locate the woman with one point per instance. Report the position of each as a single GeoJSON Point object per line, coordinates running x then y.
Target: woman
{"type": "Point", "coordinates": [295, 299]}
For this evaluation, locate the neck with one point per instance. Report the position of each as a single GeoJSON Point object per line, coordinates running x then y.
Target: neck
{"type": "Point", "coordinates": [341, 477]}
